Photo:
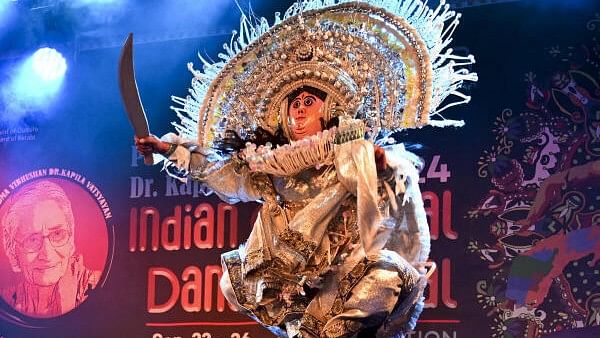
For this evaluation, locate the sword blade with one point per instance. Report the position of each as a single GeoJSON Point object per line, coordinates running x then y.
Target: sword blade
{"type": "Point", "coordinates": [129, 90]}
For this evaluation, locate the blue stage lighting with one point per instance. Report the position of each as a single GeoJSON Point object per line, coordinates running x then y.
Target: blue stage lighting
{"type": "Point", "coordinates": [4, 10]}
{"type": "Point", "coordinates": [48, 64]}
{"type": "Point", "coordinates": [97, 2]}
{"type": "Point", "coordinates": [34, 84]}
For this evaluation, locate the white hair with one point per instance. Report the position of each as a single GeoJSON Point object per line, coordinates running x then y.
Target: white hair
{"type": "Point", "coordinates": [23, 202]}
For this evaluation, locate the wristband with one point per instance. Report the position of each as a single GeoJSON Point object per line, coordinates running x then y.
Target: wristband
{"type": "Point", "coordinates": [171, 150]}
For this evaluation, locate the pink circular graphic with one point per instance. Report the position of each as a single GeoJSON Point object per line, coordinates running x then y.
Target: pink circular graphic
{"type": "Point", "coordinates": [53, 247]}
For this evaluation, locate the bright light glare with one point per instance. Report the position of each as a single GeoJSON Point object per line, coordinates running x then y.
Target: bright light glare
{"type": "Point", "coordinates": [34, 84]}
{"type": "Point", "coordinates": [4, 12]}
{"type": "Point", "coordinates": [48, 64]}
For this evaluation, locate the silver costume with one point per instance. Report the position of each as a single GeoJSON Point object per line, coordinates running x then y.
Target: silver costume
{"type": "Point", "coordinates": [338, 248]}
{"type": "Point", "coordinates": [334, 250]}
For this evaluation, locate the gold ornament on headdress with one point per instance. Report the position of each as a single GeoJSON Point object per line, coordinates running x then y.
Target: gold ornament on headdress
{"type": "Point", "coordinates": [381, 61]}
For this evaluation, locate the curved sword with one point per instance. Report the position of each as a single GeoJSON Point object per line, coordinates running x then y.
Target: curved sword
{"type": "Point", "coordinates": [130, 94]}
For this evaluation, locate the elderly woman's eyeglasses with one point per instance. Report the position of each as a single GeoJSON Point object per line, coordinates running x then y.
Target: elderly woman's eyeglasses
{"type": "Point", "coordinates": [57, 238]}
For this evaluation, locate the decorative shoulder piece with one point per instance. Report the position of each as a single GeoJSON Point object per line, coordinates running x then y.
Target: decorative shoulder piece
{"type": "Point", "coordinates": [313, 151]}
{"type": "Point", "coordinates": [385, 62]}
{"type": "Point", "coordinates": [290, 159]}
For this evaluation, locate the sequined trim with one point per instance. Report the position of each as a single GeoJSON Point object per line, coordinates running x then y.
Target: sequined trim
{"type": "Point", "coordinates": [312, 325]}
{"type": "Point", "coordinates": [341, 328]}
{"type": "Point", "coordinates": [292, 311]}
{"type": "Point", "coordinates": [233, 263]}
{"type": "Point", "coordinates": [348, 282]}
{"type": "Point", "coordinates": [254, 260]}
{"type": "Point", "coordinates": [295, 240]}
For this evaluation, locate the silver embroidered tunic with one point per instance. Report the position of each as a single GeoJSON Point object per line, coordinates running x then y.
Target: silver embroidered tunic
{"type": "Point", "coordinates": [334, 250]}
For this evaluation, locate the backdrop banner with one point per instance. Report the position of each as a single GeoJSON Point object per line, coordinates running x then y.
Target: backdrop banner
{"type": "Point", "coordinates": [120, 249]}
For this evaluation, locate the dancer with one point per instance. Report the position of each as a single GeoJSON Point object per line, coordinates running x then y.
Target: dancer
{"type": "Point", "coordinates": [297, 116]}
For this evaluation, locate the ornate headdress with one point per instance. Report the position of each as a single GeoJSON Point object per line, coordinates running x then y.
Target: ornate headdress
{"type": "Point", "coordinates": [385, 62]}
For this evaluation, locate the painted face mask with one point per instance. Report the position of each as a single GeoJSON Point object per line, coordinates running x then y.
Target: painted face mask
{"type": "Point", "coordinates": [305, 115]}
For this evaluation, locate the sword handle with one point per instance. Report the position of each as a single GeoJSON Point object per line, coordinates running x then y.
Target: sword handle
{"type": "Point", "coordinates": [148, 140]}
{"type": "Point", "coordinates": [148, 159]}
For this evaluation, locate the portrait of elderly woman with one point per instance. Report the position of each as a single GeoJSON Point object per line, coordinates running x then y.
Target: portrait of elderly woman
{"type": "Point", "coordinates": [38, 231]}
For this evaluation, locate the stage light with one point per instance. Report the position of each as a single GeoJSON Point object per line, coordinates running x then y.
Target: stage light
{"type": "Point", "coordinates": [48, 64]}
{"type": "Point", "coordinates": [34, 84]}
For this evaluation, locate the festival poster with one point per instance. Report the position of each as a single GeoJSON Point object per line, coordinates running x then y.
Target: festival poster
{"type": "Point", "coordinates": [142, 256]}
